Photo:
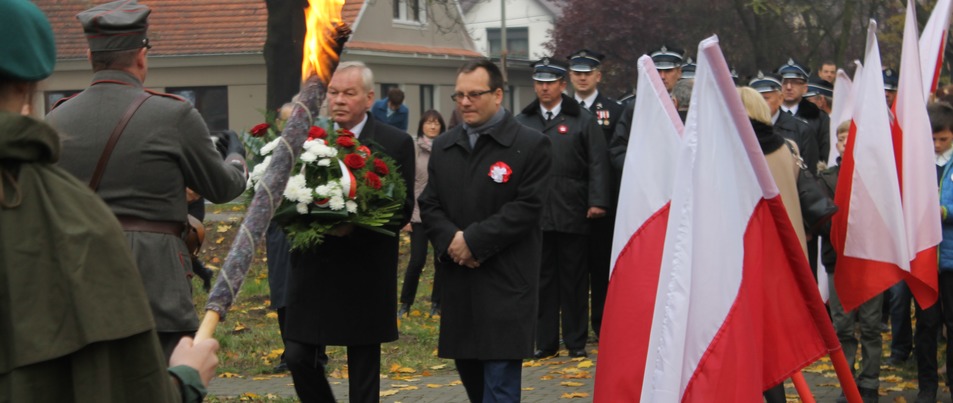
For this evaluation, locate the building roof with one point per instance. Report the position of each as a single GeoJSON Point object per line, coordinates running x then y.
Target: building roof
{"type": "Point", "coordinates": [550, 5]}
{"type": "Point", "coordinates": [410, 49]}
{"type": "Point", "coordinates": [180, 27]}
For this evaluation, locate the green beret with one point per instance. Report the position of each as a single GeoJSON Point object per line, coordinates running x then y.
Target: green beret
{"type": "Point", "coordinates": [27, 51]}
{"type": "Point", "coordinates": [118, 25]}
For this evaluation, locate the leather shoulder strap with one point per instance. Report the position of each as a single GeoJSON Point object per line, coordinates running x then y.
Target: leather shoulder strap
{"type": "Point", "coordinates": [114, 138]}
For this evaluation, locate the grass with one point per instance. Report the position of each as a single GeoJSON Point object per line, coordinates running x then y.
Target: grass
{"type": "Point", "coordinates": [250, 341]}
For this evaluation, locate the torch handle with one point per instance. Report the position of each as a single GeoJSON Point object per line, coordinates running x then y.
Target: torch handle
{"type": "Point", "coordinates": [207, 328]}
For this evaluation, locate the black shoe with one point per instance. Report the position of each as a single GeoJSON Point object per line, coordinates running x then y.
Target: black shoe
{"type": "Point", "coordinates": [281, 367]}
{"type": "Point", "coordinates": [543, 354]}
{"type": "Point", "coordinates": [895, 361]}
{"type": "Point", "coordinates": [404, 310]}
{"type": "Point", "coordinates": [435, 309]}
{"type": "Point", "coordinates": [578, 353]}
{"type": "Point", "coordinates": [869, 395]}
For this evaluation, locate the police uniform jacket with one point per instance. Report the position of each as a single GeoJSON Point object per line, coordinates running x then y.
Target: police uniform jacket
{"type": "Point", "coordinates": [489, 312]}
{"type": "Point", "coordinates": [820, 124]}
{"type": "Point", "coordinates": [580, 176]}
{"type": "Point", "coordinates": [607, 112]}
{"type": "Point", "coordinates": [165, 148]}
{"type": "Point", "coordinates": [801, 133]}
{"type": "Point", "coordinates": [343, 292]}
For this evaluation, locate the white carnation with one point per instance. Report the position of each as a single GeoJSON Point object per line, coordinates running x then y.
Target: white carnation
{"type": "Point", "coordinates": [308, 157]}
{"type": "Point", "coordinates": [351, 206]}
{"type": "Point", "coordinates": [268, 148]}
{"type": "Point", "coordinates": [259, 170]}
{"type": "Point", "coordinates": [336, 203]}
{"type": "Point", "coordinates": [302, 208]}
{"type": "Point", "coordinates": [296, 189]}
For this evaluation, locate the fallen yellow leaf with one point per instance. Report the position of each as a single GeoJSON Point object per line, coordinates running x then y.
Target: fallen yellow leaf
{"type": "Point", "coordinates": [571, 384]}
{"type": "Point", "coordinates": [455, 383]}
{"type": "Point", "coordinates": [415, 313]}
{"type": "Point", "coordinates": [219, 240]}
{"type": "Point", "coordinates": [394, 367]}
{"type": "Point", "coordinates": [406, 370]}
{"type": "Point", "coordinates": [434, 385]}
{"type": "Point", "coordinates": [239, 327]}
{"type": "Point", "coordinates": [272, 315]}
{"type": "Point", "coordinates": [223, 228]}
{"type": "Point", "coordinates": [409, 387]}
{"type": "Point", "coordinates": [249, 395]}
{"type": "Point", "coordinates": [529, 388]}
{"type": "Point", "coordinates": [585, 364]}
{"type": "Point", "coordinates": [389, 392]}
{"type": "Point", "coordinates": [546, 378]}
{"type": "Point", "coordinates": [574, 395]}
{"type": "Point", "coordinates": [891, 378]}
{"type": "Point", "coordinates": [577, 359]}
{"type": "Point", "coordinates": [532, 363]}
{"type": "Point", "coordinates": [229, 375]}
{"type": "Point", "coordinates": [436, 367]}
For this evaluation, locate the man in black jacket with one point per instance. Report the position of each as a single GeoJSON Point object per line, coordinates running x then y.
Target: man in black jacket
{"type": "Point", "coordinates": [793, 86]}
{"type": "Point", "coordinates": [788, 126]}
{"type": "Point", "coordinates": [578, 192]}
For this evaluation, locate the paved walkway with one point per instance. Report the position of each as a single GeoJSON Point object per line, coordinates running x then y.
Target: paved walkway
{"type": "Point", "coordinates": [551, 380]}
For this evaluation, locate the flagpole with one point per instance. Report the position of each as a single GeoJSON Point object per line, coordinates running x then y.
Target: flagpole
{"type": "Point", "coordinates": [845, 376]}
{"type": "Point", "coordinates": [803, 390]}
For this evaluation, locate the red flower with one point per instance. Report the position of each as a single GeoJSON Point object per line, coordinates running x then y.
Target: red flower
{"type": "Point", "coordinates": [260, 130]}
{"type": "Point", "coordinates": [372, 179]}
{"type": "Point", "coordinates": [381, 167]}
{"type": "Point", "coordinates": [345, 133]}
{"type": "Point", "coordinates": [316, 132]}
{"type": "Point", "coordinates": [364, 152]}
{"type": "Point", "coordinates": [345, 141]}
{"type": "Point", "coordinates": [500, 172]}
{"type": "Point", "coordinates": [354, 161]}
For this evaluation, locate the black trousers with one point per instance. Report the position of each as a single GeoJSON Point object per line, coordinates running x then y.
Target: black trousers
{"type": "Point", "coordinates": [491, 381]}
{"type": "Point", "coordinates": [929, 322]}
{"type": "Point", "coordinates": [600, 257]}
{"type": "Point", "coordinates": [563, 288]}
{"type": "Point", "coordinates": [418, 258]}
{"type": "Point", "coordinates": [307, 370]}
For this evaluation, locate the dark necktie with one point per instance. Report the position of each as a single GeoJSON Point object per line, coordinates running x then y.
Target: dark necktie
{"type": "Point", "coordinates": [789, 112]}
{"type": "Point", "coordinates": [549, 115]}
{"type": "Point", "coordinates": [582, 104]}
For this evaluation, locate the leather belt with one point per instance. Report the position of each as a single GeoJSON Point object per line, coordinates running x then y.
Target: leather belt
{"type": "Point", "coordinates": [136, 224]}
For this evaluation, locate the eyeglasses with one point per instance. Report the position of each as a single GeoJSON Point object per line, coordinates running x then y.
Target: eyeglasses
{"type": "Point", "coordinates": [458, 96]}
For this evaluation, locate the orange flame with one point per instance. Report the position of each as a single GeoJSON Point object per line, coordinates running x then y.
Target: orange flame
{"type": "Point", "coordinates": [321, 18]}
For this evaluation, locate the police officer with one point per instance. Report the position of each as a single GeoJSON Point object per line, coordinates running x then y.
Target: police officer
{"type": "Point", "coordinates": [788, 126]}
{"type": "Point", "coordinates": [821, 93]}
{"type": "Point", "coordinates": [668, 61]}
{"type": "Point", "coordinates": [578, 193]}
{"type": "Point", "coordinates": [891, 81]}
{"type": "Point", "coordinates": [688, 69]}
{"type": "Point", "coordinates": [793, 86]}
{"type": "Point", "coordinates": [163, 148]}
{"type": "Point", "coordinates": [585, 74]}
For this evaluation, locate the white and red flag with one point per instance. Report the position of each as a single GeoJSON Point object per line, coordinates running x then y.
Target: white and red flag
{"type": "Point", "coordinates": [647, 180]}
{"type": "Point", "coordinates": [912, 132]}
{"type": "Point", "coordinates": [932, 44]}
{"type": "Point", "coordinates": [736, 310]}
{"type": "Point", "coordinates": [841, 110]}
{"type": "Point", "coordinates": [869, 231]}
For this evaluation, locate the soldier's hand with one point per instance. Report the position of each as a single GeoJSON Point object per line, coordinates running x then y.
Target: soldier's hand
{"type": "Point", "coordinates": [235, 145]}
{"type": "Point", "coordinates": [199, 356]}
{"type": "Point", "coordinates": [220, 139]}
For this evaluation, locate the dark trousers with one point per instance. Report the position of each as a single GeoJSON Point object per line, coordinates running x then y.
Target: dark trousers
{"type": "Point", "coordinates": [307, 362]}
{"type": "Point", "coordinates": [929, 322]}
{"type": "Point", "coordinates": [600, 257]}
{"type": "Point", "coordinates": [418, 258]}
{"type": "Point", "coordinates": [563, 287]}
{"type": "Point", "coordinates": [491, 381]}
{"type": "Point", "coordinates": [901, 329]}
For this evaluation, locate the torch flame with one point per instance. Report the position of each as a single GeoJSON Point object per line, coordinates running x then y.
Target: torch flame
{"type": "Point", "coordinates": [321, 18]}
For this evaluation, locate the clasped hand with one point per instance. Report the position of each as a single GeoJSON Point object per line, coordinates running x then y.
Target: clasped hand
{"type": "Point", "coordinates": [460, 252]}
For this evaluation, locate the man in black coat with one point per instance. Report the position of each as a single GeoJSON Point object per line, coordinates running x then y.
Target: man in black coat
{"type": "Point", "coordinates": [481, 210]}
{"type": "Point", "coordinates": [788, 126]}
{"type": "Point", "coordinates": [578, 193]}
{"type": "Point", "coordinates": [585, 74]}
{"type": "Point", "coordinates": [793, 86]}
{"type": "Point", "coordinates": [344, 291]}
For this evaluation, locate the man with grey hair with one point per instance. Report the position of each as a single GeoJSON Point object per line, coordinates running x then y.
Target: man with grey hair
{"type": "Point", "coordinates": [343, 292]}
{"type": "Point", "coordinates": [682, 96]}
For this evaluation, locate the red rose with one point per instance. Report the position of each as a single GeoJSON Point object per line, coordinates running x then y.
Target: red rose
{"type": "Point", "coordinates": [364, 152]}
{"type": "Point", "coordinates": [354, 161]}
{"type": "Point", "coordinates": [260, 130]}
{"type": "Point", "coordinates": [346, 142]}
{"type": "Point", "coordinates": [316, 132]}
{"type": "Point", "coordinates": [372, 180]}
{"type": "Point", "coordinates": [381, 167]}
{"type": "Point", "coordinates": [345, 133]}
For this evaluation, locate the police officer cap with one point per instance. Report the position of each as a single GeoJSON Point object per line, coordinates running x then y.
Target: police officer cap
{"type": "Point", "coordinates": [118, 25]}
{"type": "Point", "coordinates": [27, 51]}
{"type": "Point", "coordinates": [548, 69]}
{"type": "Point", "coordinates": [585, 60]}
{"type": "Point", "coordinates": [793, 69]}
{"type": "Point", "coordinates": [891, 79]}
{"type": "Point", "coordinates": [667, 58]}
{"type": "Point", "coordinates": [688, 69]}
{"type": "Point", "coordinates": [819, 86]}
{"type": "Point", "coordinates": [765, 82]}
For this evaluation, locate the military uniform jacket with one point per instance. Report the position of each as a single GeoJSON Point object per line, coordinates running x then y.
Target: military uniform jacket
{"type": "Point", "coordinates": [607, 112]}
{"type": "Point", "coordinates": [820, 124]}
{"type": "Point", "coordinates": [165, 148]}
{"type": "Point", "coordinates": [801, 133]}
{"type": "Point", "coordinates": [580, 176]}
{"type": "Point", "coordinates": [489, 312]}
{"type": "Point", "coordinates": [343, 292]}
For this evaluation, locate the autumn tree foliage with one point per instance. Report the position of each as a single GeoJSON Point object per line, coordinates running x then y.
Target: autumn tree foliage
{"type": "Point", "coordinates": [754, 34]}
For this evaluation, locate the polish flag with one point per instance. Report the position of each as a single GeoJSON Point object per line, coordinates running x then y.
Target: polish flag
{"type": "Point", "coordinates": [932, 43]}
{"type": "Point", "coordinates": [841, 110]}
{"type": "Point", "coordinates": [647, 181]}
{"type": "Point", "coordinates": [869, 231]}
{"type": "Point", "coordinates": [912, 131]}
{"type": "Point", "coordinates": [737, 310]}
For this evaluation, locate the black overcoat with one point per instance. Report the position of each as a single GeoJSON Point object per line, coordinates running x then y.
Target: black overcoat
{"type": "Point", "coordinates": [344, 291]}
{"type": "Point", "coordinates": [489, 312]}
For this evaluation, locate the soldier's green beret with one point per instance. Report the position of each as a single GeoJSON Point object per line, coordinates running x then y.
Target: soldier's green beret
{"type": "Point", "coordinates": [118, 25]}
{"type": "Point", "coordinates": [27, 51]}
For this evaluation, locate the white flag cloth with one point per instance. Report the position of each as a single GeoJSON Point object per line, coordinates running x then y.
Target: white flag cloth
{"type": "Point", "coordinates": [932, 43]}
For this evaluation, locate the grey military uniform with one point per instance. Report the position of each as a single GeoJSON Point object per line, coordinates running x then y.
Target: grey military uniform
{"type": "Point", "coordinates": [165, 148]}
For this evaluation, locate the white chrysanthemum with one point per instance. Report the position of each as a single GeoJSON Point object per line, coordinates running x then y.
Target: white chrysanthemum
{"type": "Point", "coordinates": [259, 170]}
{"type": "Point", "coordinates": [302, 208]}
{"type": "Point", "coordinates": [309, 144]}
{"type": "Point", "coordinates": [268, 148]}
{"type": "Point", "coordinates": [308, 157]}
{"type": "Point", "coordinates": [324, 162]}
{"type": "Point", "coordinates": [323, 191]}
{"type": "Point", "coordinates": [296, 189]}
{"type": "Point", "coordinates": [351, 206]}
{"type": "Point", "coordinates": [336, 203]}
{"type": "Point", "coordinates": [325, 151]}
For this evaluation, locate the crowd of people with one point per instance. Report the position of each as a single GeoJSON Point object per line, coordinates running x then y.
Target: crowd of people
{"type": "Point", "coordinates": [516, 207]}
